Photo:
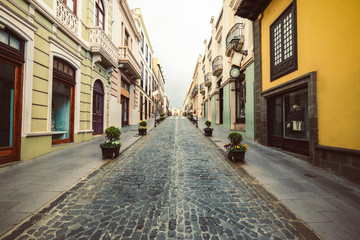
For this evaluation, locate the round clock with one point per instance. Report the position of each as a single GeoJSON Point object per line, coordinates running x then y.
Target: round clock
{"type": "Point", "coordinates": [234, 72]}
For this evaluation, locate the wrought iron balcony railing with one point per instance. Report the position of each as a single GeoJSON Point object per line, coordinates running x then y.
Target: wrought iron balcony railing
{"type": "Point", "coordinates": [217, 66]}
{"type": "Point", "coordinates": [194, 91]}
{"type": "Point", "coordinates": [234, 39]}
{"type": "Point", "coordinates": [101, 44]}
{"type": "Point", "coordinates": [207, 79]}
{"type": "Point", "coordinates": [202, 88]}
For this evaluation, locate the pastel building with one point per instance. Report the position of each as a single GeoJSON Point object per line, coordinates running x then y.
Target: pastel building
{"type": "Point", "coordinates": [144, 86]}
{"type": "Point", "coordinates": [56, 61]}
{"type": "Point", "coordinates": [124, 88]}
{"type": "Point", "coordinates": [307, 79]}
{"type": "Point", "coordinates": [225, 73]}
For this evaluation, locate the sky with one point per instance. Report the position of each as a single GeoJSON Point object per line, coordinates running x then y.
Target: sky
{"type": "Point", "coordinates": [177, 30]}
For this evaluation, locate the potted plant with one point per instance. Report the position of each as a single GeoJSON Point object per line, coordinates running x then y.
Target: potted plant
{"type": "Point", "coordinates": [142, 128]}
{"type": "Point", "coordinates": [208, 131]}
{"type": "Point", "coordinates": [162, 116]}
{"type": "Point", "coordinates": [191, 117]}
{"type": "Point", "coordinates": [111, 147]}
{"type": "Point", "coordinates": [235, 149]}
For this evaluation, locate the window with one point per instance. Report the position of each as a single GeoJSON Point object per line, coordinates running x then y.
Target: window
{"type": "Point", "coordinates": [147, 53]}
{"type": "Point", "coordinates": [142, 76]}
{"type": "Point", "coordinates": [142, 42]}
{"type": "Point", "coordinates": [125, 86]}
{"type": "Point", "coordinates": [240, 96]}
{"type": "Point", "coordinates": [100, 14]}
{"type": "Point", "coordinates": [62, 107]}
{"type": "Point", "coordinates": [126, 39]}
{"type": "Point", "coordinates": [283, 43]}
{"type": "Point", "coordinates": [11, 45]}
{"type": "Point", "coordinates": [71, 4]}
{"type": "Point", "coordinates": [146, 81]}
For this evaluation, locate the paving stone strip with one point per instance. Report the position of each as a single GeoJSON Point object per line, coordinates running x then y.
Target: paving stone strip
{"type": "Point", "coordinates": [172, 184]}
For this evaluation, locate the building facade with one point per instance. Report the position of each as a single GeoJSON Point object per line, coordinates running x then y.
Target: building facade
{"type": "Point", "coordinates": [224, 76]}
{"type": "Point", "coordinates": [159, 90]}
{"type": "Point", "coordinates": [57, 59]}
{"type": "Point", "coordinates": [144, 93]}
{"type": "Point", "coordinates": [304, 97]}
{"type": "Point", "coordinates": [124, 98]}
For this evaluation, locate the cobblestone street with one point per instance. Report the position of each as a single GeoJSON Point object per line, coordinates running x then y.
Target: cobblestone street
{"type": "Point", "coordinates": [172, 184]}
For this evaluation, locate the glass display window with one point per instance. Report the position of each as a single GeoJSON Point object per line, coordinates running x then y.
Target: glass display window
{"type": "Point", "coordinates": [296, 118]}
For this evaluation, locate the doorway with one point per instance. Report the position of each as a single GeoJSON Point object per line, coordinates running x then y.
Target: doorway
{"type": "Point", "coordinates": [98, 108]}
{"type": "Point", "coordinates": [221, 96]}
{"type": "Point", "coordinates": [289, 121]}
{"type": "Point", "coordinates": [124, 111]}
{"type": "Point", "coordinates": [11, 67]}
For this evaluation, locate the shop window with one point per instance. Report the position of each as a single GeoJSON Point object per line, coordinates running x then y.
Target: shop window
{"type": "Point", "coordinates": [100, 14]}
{"type": "Point", "coordinates": [62, 107]}
{"type": "Point", "coordinates": [283, 43]}
{"type": "Point", "coordinates": [296, 115]}
{"type": "Point", "coordinates": [240, 98]}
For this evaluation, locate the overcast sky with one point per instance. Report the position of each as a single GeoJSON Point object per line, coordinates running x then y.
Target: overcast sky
{"type": "Point", "coordinates": [177, 30]}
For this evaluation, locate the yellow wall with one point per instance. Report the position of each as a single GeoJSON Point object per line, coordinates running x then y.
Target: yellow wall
{"type": "Point", "coordinates": [328, 36]}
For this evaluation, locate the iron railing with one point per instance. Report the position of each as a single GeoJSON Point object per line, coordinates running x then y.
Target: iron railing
{"type": "Point", "coordinates": [202, 88]}
{"type": "Point", "coordinates": [217, 65]}
{"type": "Point", "coordinates": [207, 79]}
{"type": "Point", "coordinates": [234, 38]}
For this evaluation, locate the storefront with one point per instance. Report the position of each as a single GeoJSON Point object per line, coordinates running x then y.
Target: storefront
{"type": "Point", "coordinates": [63, 98]}
{"type": "Point", "coordinates": [11, 71]}
{"type": "Point", "coordinates": [289, 121]}
{"type": "Point", "coordinates": [290, 115]}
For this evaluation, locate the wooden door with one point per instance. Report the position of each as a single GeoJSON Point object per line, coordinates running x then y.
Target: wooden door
{"type": "Point", "coordinates": [10, 108]}
{"type": "Point", "coordinates": [98, 108]}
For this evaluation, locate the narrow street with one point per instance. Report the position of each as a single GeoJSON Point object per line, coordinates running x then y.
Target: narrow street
{"type": "Point", "coordinates": [171, 184]}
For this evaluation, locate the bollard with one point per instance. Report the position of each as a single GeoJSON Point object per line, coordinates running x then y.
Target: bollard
{"type": "Point", "coordinates": [197, 123]}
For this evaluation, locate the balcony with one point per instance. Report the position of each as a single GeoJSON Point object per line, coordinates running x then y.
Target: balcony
{"type": "Point", "coordinates": [67, 17]}
{"type": "Point", "coordinates": [207, 80]}
{"type": "Point", "coordinates": [217, 66]}
{"type": "Point", "coordinates": [202, 89]}
{"type": "Point", "coordinates": [194, 91]}
{"type": "Point", "coordinates": [128, 64]}
{"type": "Point", "coordinates": [102, 48]}
{"type": "Point", "coordinates": [234, 39]}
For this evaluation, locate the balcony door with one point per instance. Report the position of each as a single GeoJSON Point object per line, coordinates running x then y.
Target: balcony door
{"type": "Point", "coordinates": [98, 108]}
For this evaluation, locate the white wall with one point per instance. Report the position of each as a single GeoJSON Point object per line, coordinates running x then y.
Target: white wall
{"type": "Point", "coordinates": [115, 113]}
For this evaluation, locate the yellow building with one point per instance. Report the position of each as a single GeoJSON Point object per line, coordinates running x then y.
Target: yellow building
{"type": "Point", "coordinates": [307, 79]}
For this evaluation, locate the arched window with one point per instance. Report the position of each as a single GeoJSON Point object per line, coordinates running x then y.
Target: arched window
{"type": "Point", "coordinates": [100, 14]}
{"type": "Point", "coordinates": [71, 4]}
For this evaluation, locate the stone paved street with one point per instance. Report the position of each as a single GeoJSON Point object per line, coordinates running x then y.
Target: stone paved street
{"type": "Point", "coordinates": [172, 184]}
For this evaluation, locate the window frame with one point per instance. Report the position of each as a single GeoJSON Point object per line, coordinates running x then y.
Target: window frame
{"type": "Point", "coordinates": [75, 6]}
{"type": "Point", "coordinates": [290, 64]}
{"type": "Point", "coordinates": [67, 79]}
{"type": "Point", "coordinates": [97, 9]}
